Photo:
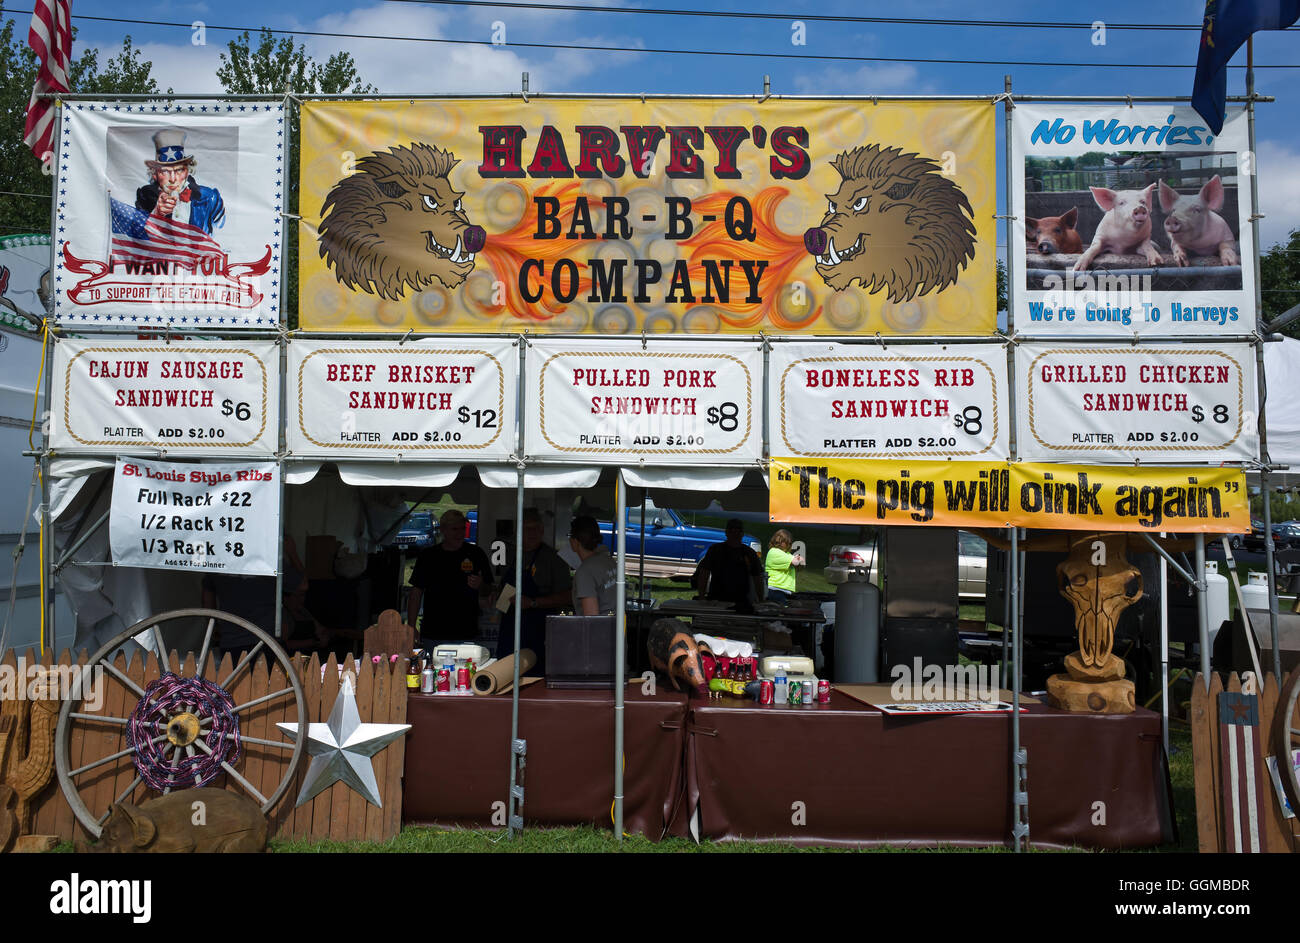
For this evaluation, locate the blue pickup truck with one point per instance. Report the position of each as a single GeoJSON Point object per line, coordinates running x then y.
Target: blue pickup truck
{"type": "Point", "coordinates": [672, 546]}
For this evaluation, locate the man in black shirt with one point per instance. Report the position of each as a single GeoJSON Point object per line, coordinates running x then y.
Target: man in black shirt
{"type": "Point", "coordinates": [731, 571]}
{"type": "Point", "coordinates": [454, 574]}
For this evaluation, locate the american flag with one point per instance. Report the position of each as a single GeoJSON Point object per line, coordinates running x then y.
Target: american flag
{"type": "Point", "coordinates": [142, 237]}
{"type": "Point", "coordinates": [51, 37]}
{"type": "Point", "coordinates": [1241, 787]}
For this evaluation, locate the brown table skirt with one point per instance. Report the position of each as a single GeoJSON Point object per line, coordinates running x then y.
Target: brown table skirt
{"type": "Point", "coordinates": [844, 774]}
{"type": "Point", "coordinates": [458, 758]}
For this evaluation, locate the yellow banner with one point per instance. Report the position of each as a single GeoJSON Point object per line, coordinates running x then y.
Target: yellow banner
{"type": "Point", "coordinates": [993, 494]}
{"type": "Point", "coordinates": [618, 216]}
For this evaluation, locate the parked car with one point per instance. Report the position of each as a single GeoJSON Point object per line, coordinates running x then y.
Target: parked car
{"type": "Point", "coordinates": [972, 563]}
{"type": "Point", "coordinates": [673, 547]}
{"type": "Point", "coordinates": [1254, 541]}
{"type": "Point", "coordinates": [418, 532]}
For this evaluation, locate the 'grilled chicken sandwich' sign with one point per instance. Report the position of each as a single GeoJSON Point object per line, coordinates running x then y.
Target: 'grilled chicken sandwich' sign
{"type": "Point", "coordinates": [671, 216]}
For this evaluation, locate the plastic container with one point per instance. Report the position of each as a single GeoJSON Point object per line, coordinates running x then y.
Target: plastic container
{"type": "Point", "coordinates": [781, 689]}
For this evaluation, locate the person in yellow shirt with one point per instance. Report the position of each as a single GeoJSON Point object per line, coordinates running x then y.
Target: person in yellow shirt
{"type": "Point", "coordinates": [780, 564]}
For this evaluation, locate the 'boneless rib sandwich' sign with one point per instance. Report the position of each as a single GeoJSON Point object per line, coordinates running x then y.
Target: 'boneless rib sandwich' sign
{"type": "Point", "coordinates": [622, 216]}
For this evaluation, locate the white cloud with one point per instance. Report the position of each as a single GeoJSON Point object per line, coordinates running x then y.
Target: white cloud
{"type": "Point", "coordinates": [867, 80]}
{"type": "Point", "coordinates": [434, 68]}
{"type": "Point", "coordinates": [180, 66]}
{"type": "Point", "coordinates": [1279, 191]}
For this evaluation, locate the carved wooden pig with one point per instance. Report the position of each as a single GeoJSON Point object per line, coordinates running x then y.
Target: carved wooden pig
{"type": "Point", "coordinates": [189, 820]}
{"type": "Point", "coordinates": [673, 650]}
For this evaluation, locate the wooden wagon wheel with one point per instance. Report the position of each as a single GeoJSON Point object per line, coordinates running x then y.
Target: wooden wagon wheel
{"type": "Point", "coordinates": [1286, 738]}
{"type": "Point", "coordinates": [173, 736]}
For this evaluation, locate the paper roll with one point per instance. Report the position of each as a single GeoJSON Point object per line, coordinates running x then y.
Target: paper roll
{"type": "Point", "coordinates": [499, 677]}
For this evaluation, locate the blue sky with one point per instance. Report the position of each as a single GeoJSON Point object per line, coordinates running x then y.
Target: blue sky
{"type": "Point", "coordinates": [1072, 62]}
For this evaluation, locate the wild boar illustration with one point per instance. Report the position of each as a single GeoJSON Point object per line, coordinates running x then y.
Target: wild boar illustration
{"type": "Point", "coordinates": [895, 223]}
{"type": "Point", "coordinates": [396, 223]}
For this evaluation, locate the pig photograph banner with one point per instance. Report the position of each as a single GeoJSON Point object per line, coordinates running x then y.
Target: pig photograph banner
{"type": "Point", "coordinates": [1022, 494]}
{"type": "Point", "coordinates": [178, 516]}
{"type": "Point", "coordinates": [623, 216]}
{"type": "Point", "coordinates": [186, 397]}
{"type": "Point", "coordinates": [170, 215]}
{"type": "Point", "coordinates": [865, 401]}
{"type": "Point", "coordinates": [1125, 403]}
{"type": "Point", "coordinates": [435, 400]}
{"type": "Point", "coordinates": [664, 403]}
{"type": "Point", "coordinates": [1132, 219]}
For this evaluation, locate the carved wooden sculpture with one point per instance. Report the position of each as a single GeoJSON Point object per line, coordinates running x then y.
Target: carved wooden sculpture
{"type": "Point", "coordinates": [1100, 584]}
{"type": "Point", "coordinates": [26, 764]}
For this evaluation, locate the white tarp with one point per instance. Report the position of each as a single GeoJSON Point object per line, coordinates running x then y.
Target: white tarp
{"type": "Point", "coordinates": [199, 246]}
{"type": "Point", "coordinates": [196, 398]}
{"type": "Point", "coordinates": [829, 400]}
{"type": "Point", "coordinates": [437, 400]}
{"type": "Point", "coordinates": [1151, 402]}
{"type": "Point", "coordinates": [1069, 161]}
{"type": "Point", "coordinates": [616, 401]}
{"type": "Point", "coordinates": [1282, 374]}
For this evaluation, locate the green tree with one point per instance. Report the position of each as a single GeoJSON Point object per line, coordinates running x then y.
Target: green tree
{"type": "Point", "coordinates": [276, 67]}
{"type": "Point", "coordinates": [20, 172]}
{"type": "Point", "coordinates": [1279, 280]}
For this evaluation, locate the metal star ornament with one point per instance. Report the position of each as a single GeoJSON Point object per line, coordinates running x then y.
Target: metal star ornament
{"type": "Point", "coordinates": [341, 749]}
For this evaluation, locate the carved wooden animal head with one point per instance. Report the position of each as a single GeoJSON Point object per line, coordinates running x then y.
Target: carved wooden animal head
{"type": "Point", "coordinates": [1100, 584]}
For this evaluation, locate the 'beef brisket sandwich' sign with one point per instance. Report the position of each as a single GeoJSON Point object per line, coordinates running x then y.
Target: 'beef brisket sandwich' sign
{"type": "Point", "coordinates": [618, 216]}
{"type": "Point", "coordinates": [432, 400]}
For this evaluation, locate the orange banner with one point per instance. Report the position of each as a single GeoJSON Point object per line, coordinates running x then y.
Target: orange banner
{"type": "Point", "coordinates": [994, 494]}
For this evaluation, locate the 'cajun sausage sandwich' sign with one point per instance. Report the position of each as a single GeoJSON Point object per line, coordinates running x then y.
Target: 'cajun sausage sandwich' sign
{"type": "Point", "coordinates": [184, 398]}
{"type": "Point", "coordinates": [622, 216]}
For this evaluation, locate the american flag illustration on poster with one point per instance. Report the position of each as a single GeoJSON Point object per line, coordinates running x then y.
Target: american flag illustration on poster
{"type": "Point", "coordinates": [144, 238]}
{"type": "Point", "coordinates": [170, 215]}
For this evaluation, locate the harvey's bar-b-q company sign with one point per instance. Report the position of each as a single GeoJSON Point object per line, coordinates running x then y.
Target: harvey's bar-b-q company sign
{"type": "Point", "coordinates": [623, 216]}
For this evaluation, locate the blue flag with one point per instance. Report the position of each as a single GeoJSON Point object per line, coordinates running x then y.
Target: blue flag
{"type": "Point", "coordinates": [1228, 24]}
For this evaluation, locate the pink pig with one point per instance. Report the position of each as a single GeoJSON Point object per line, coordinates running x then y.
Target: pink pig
{"type": "Point", "coordinates": [1194, 227]}
{"type": "Point", "coordinates": [1126, 227]}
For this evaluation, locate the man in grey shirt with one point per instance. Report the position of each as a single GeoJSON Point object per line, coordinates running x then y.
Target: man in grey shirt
{"type": "Point", "coordinates": [595, 582]}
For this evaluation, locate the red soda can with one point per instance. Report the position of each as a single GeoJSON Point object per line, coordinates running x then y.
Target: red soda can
{"type": "Point", "coordinates": [766, 692]}
{"type": "Point", "coordinates": [823, 691]}
{"type": "Point", "coordinates": [462, 679]}
{"type": "Point", "coordinates": [444, 681]}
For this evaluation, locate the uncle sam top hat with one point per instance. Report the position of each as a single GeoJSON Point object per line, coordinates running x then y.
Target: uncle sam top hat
{"type": "Point", "coordinates": [170, 146]}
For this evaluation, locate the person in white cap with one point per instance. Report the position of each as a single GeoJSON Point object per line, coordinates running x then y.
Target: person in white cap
{"type": "Point", "coordinates": [173, 192]}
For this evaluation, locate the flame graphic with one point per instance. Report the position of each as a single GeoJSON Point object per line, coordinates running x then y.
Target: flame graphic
{"type": "Point", "coordinates": [507, 252]}
{"type": "Point", "coordinates": [781, 251]}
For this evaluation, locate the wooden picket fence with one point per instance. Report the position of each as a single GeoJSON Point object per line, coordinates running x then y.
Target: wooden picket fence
{"type": "Point", "coordinates": [1280, 834]}
{"type": "Point", "coordinates": [337, 813]}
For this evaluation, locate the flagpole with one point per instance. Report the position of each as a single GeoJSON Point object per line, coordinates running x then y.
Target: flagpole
{"type": "Point", "coordinates": [1259, 361]}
